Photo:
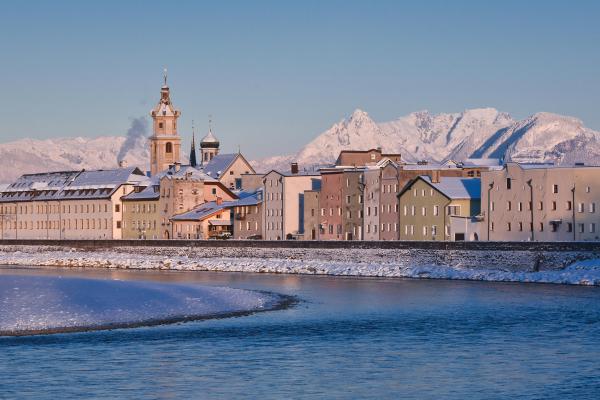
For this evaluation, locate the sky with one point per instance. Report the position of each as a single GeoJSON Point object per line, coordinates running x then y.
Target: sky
{"type": "Point", "coordinates": [275, 74]}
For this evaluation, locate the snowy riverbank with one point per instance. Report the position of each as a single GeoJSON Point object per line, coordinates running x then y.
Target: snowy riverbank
{"type": "Point", "coordinates": [343, 262]}
{"type": "Point", "coordinates": [42, 304]}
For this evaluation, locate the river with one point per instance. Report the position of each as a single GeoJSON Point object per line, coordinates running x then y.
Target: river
{"type": "Point", "coordinates": [345, 338]}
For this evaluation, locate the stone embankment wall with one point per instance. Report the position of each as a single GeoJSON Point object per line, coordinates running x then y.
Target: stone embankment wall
{"type": "Point", "coordinates": [505, 256]}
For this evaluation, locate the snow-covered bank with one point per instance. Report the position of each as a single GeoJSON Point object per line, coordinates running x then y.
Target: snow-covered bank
{"type": "Point", "coordinates": [343, 262]}
{"type": "Point", "coordinates": [41, 304]}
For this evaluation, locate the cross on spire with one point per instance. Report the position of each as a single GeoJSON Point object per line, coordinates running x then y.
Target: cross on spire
{"type": "Point", "coordinates": [165, 75]}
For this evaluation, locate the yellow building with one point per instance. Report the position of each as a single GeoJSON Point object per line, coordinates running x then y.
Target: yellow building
{"type": "Point", "coordinates": [148, 209]}
{"type": "Point", "coordinates": [67, 205]}
{"type": "Point", "coordinates": [428, 207]}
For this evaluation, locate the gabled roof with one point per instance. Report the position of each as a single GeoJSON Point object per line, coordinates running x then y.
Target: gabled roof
{"type": "Point", "coordinates": [219, 164]}
{"type": "Point", "coordinates": [454, 188]}
{"type": "Point", "coordinates": [457, 188]}
{"type": "Point", "coordinates": [202, 211]}
{"type": "Point", "coordinates": [249, 198]}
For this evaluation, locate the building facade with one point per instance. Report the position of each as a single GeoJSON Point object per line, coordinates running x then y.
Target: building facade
{"type": "Point", "coordinates": [67, 205]}
{"type": "Point", "coordinates": [541, 203]}
{"type": "Point", "coordinates": [284, 203]}
{"type": "Point", "coordinates": [427, 205]}
{"type": "Point", "coordinates": [248, 216]}
{"type": "Point", "coordinates": [312, 229]}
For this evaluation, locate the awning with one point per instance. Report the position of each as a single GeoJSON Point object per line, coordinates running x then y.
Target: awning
{"type": "Point", "coordinates": [216, 222]}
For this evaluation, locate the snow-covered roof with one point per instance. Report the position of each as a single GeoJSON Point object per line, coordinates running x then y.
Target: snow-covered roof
{"type": "Point", "coordinates": [482, 162]}
{"type": "Point", "coordinates": [219, 164]}
{"type": "Point", "coordinates": [203, 211]}
{"type": "Point", "coordinates": [71, 185]}
{"type": "Point", "coordinates": [249, 198]}
{"type": "Point", "coordinates": [457, 188]}
{"type": "Point", "coordinates": [186, 171]}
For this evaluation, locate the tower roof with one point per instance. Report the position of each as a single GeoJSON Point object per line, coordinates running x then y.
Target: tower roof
{"type": "Point", "coordinates": [209, 140]}
{"type": "Point", "coordinates": [164, 106]}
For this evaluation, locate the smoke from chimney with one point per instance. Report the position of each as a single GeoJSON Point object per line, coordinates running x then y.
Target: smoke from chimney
{"type": "Point", "coordinates": [137, 131]}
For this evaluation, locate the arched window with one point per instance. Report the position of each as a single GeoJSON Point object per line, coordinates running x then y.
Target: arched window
{"type": "Point", "coordinates": [169, 147]}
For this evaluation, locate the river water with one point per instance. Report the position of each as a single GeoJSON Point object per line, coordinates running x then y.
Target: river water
{"type": "Point", "coordinates": [346, 338]}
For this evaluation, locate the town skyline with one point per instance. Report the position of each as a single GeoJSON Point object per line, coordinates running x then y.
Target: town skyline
{"type": "Point", "coordinates": [225, 60]}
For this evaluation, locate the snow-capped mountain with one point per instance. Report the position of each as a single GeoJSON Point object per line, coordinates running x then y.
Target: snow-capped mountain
{"type": "Point", "coordinates": [475, 133]}
{"type": "Point", "coordinates": [31, 156]}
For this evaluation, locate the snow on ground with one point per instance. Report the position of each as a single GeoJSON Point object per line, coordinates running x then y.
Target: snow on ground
{"type": "Point", "coordinates": [42, 303]}
{"type": "Point", "coordinates": [343, 262]}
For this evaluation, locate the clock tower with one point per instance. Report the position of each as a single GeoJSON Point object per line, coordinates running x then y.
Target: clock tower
{"type": "Point", "coordinates": [165, 143]}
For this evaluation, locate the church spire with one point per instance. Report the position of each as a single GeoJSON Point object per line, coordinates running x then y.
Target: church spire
{"type": "Point", "coordinates": [193, 161]}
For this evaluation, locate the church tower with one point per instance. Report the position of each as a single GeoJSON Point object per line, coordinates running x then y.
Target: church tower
{"type": "Point", "coordinates": [165, 143]}
{"type": "Point", "coordinates": [209, 146]}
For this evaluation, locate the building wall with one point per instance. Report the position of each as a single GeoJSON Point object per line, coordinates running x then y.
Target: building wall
{"type": "Point", "coordinates": [311, 215]}
{"type": "Point", "coordinates": [563, 216]}
{"type": "Point", "coordinates": [424, 213]}
{"type": "Point", "coordinates": [247, 221]}
{"type": "Point", "coordinates": [352, 204]}
{"type": "Point", "coordinates": [273, 206]}
{"type": "Point", "coordinates": [388, 210]}
{"type": "Point", "coordinates": [293, 202]}
{"type": "Point", "coordinates": [371, 206]}
{"type": "Point", "coordinates": [251, 181]}
{"type": "Point", "coordinates": [177, 195]}
{"type": "Point", "coordinates": [201, 229]}
{"type": "Point", "coordinates": [330, 202]}
{"type": "Point", "coordinates": [141, 219]}
{"type": "Point", "coordinates": [64, 219]}
{"type": "Point", "coordinates": [362, 158]}
{"type": "Point", "coordinates": [239, 167]}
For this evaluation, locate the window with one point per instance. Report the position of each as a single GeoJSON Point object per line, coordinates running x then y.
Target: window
{"type": "Point", "coordinates": [569, 227]}
{"type": "Point", "coordinates": [118, 224]}
{"type": "Point", "coordinates": [405, 210]}
{"type": "Point", "coordinates": [587, 189]}
{"type": "Point", "coordinates": [554, 188]}
{"type": "Point", "coordinates": [508, 183]}
{"type": "Point", "coordinates": [592, 207]}
{"type": "Point", "coordinates": [436, 210]}
{"type": "Point", "coordinates": [541, 227]}
{"type": "Point", "coordinates": [424, 211]}
{"type": "Point", "coordinates": [453, 210]}
{"type": "Point", "coordinates": [569, 205]}
{"type": "Point", "coordinates": [508, 226]}
{"type": "Point", "coordinates": [117, 208]}
{"type": "Point", "coordinates": [592, 227]}
{"type": "Point", "coordinates": [491, 226]}
{"type": "Point", "coordinates": [581, 228]}
{"type": "Point", "coordinates": [520, 227]}
{"type": "Point", "coordinates": [433, 230]}
{"type": "Point", "coordinates": [508, 205]}
{"type": "Point", "coordinates": [424, 231]}
{"type": "Point", "coordinates": [520, 206]}
{"type": "Point", "coordinates": [160, 125]}
{"type": "Point", "coordinates": [553, 227]}
{"type": "Point", "coordinates": [169, 147]}
{"type": "Point", "coordinates": [541, 205]}
{"type": "Point", "coordinates": [347, 199]}
{"type": "Point", "coordinates": [412, 210]}
{"type": "Point", "coordinates": [553, 205]}
{"type": "Point", "coordinates": [580, 207]}
{"type": "Point", "coordinates": [492, 206]}
{"type": "Point", "coordinates": [214, 191]}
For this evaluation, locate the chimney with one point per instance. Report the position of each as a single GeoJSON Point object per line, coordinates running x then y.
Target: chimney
{"type": "Point", "coordinates": [294, 168]}
{"type": "Point", "coordinates": [177, 166]}
{"type": "Point", "coordinates": [219, 201]}
{"type": "Point", "coordinates": [122, 164]}
{"type": "Point", "coordinates": [435, 176]}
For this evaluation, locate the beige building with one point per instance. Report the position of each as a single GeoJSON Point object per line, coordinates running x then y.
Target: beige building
{"type": "Point", "coordinates": [248, 215]}
{"type": "Point", "coordinates": [361, 158]}
{"type": "Point", "coordinates": [67, 205]}
{"type": "Point", "coordinates": [283, 213]}
{"type": "Point", "coordinates": [165, 143]}
{"type": "Point", "coordinates": [541, 203]}
{"type": "Point", "coordinates": [312, 228]}
{"type": "Point", "coordinates": [427, 206]}
{"type": "Point", "coordinates": [212, 220]}
{"type": "Point", "coordinates": [228, 169]}
{"type": "Point", "coordinates": [174, 191]}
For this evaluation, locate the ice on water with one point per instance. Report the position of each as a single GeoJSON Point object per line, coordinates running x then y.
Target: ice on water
{"type": "Point", "coordinates": [40, 302]}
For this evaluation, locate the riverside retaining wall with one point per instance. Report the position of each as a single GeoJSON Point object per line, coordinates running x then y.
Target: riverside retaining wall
{"type": "Point", "coordinates": [507, 256]}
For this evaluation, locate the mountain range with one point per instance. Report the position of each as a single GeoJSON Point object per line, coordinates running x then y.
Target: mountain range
{"type": "Point", "coordinates": [473, 133]}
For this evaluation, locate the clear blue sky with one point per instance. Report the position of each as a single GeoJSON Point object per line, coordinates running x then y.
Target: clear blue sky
{"type": "Point", "coordinates": [275, 74]}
